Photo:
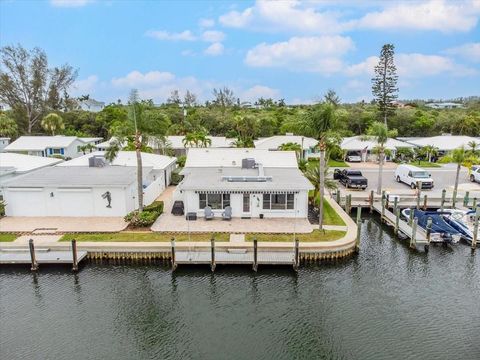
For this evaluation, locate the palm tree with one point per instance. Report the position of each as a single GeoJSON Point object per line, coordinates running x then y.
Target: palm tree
{"type": "Point", "coordinates": [430, 151]}
{"type": "Point", "coordinates": [190, 139]}
{"type": "Point", "coordinates": [458, 157]}
{"type": "Point", "coordinates": [52, 122]}
{"type": "Point", "coordinates": [291, 146]}
{"type": "Point", "coordinates": [202, 139]}
{"type": "Point", "coordinates": [473, 145]}
{"type": "Point", "coordinates": [379, 133]}
{"type": "Point", "coordinates": [144, 126]}
{"type": "Point", "coordinates": [87, 147]}
{"type": "Point", "coordinates": [317, 123]}
{"type": "Point", "coordinates": [8, 126]}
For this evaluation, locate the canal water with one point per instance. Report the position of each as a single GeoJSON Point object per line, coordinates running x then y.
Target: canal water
{"type": "Point", "coordinates": [386, 303]}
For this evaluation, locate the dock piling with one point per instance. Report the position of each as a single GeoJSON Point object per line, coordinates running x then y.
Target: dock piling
{"type": "Point", "coordinates": [395, 205]}
{"type": "Point", "coordinates": [466, 198]}
{"type": "Point", "coordinates": [174, 263]}
{"type": "Point", "coordinates": [454, 198]}
{"type": "Point", "coordinates": [475, 230]}
{"type": "Point", "coordinates": [425, 199]}
{"type": "Point", "coordinates": [429, 232]}
{"type": "Point", "coordinates": [383, 206]}
{"type": "Point", "coordinates": [418, 194]}
{"type": "Point", "coordinates": [297, 257]}
{"type": "Point", "coordinates": [212, 243]}
{"type": "Point", "coordinates": [413, 239]}
{"type": "Point", "coordinates": [74, 255]}
{"type": "Point", "coordinates": [442, 203]}
{"type": "Point", "coordinates": [410, 219]}
{"type": "Point", "coordinates": [255, 254]}
{"type": "Point", "coordinates": [32, 255]}
{"type": "Point", "coordinates": [359, 228]}
{"type": "Point", "coordinates": [371, 201]}
{"type": "Point", "coordinates": [338, 196]}
{"type": "Point", "coordinates": [397, 220]}
{"type": "Point", "coordinates": [474, 205]}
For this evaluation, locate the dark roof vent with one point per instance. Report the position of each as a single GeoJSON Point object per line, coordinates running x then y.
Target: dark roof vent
{"type": "Point", "coordinates": [248, 163]}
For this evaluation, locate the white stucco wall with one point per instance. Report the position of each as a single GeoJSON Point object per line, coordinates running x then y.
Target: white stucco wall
{"type": "Point", "coordinates": [191, 203]}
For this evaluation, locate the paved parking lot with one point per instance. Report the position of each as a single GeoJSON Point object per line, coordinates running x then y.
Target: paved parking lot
{"type": "Point", "coordinates": [444, 178]}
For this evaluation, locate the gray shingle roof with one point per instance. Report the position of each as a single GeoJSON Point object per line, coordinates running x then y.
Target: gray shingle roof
{"type": "Point", "coordinates": [77, 176]}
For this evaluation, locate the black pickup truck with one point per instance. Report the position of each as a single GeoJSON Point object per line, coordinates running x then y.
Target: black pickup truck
{"type": "Point", "coordinates": [351, 178]}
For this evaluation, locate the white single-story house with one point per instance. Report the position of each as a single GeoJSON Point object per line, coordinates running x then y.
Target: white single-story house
{"type": "Point", "coordinates": [162, 166]}
{"type": "Point", "coordinates": [309, 145]}
{"type": "Point", "coordinates": [445, 143]}
{"type": "Point", "coordinates": [91, 105]}
{"type": "Point", "coordinates": [65, 146]}
{"type": "Point", "coordinates": [79, 191]}
{"type": "Point", "coordinates": [4, 141]}
{"type": "Point", "coordinates": [12, 165]}
{"type": "Point", "coordinates": [179, 148]}
{"type": "Point", "coordinates": [365, 148]}
{"type": "Point", "coordinates": [444, 105]}
{"type": "Point", "coordinates": [253, 182]}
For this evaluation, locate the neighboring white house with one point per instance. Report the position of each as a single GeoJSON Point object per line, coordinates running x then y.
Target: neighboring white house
{"type": "Point", "coordinates": [12, 165]}
{"type": "Point", "coordinates": [177, 145]}
{"type": "Point", "coordinates": [356, 145]}
{"type": "Point", "coordinates": [162, 165]}
{"type": "Point", "coordinates": [4, 141]}
{"type": "Point", "coordinates": [254, 182]}
{"type": "Point", "coordinates": [445, 143]}
{"type": "Point", "coordinates": [78, 191]}
{"type": "Point", "coordinates": [66, 146]}
{"type": "Point", "coordinates": [91, 105]}
{"type": "Point", "coordinates": [274, 142]}
{"type": "Point", "coordinates": [444, 105]}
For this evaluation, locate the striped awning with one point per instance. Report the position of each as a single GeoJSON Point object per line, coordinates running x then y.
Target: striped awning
{"type": "Point", "coordinates": [245, 192]}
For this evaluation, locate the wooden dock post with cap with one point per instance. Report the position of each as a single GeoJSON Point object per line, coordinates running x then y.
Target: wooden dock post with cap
{"type": "Point", "coordinates": [419, 187]}
{"type": "Point", "coordinates": [359, 228]}
{"type": "Point", "coordinates": [454, 198]}
{"type": "Point", "coordinates": [74, 255]}
{"type": "Point", "coordinates": [410, 218]}
{"type": "Point", "coordinates": [212, 264]}
{"type": "Point", "coordinates": [255, 254]}
{"type": "Point", "coordinates": [429, 232]}
{"type": "Point", "coordinates": [413, 240]}
{"type": "Point", "coordinates": [383, 206]}
{"type": "Point", "coordinates": [442, 203]}
{"type": "Point", "coordinates": [338, 196]}
{"type": "Point", "coordinates": [466, 198]}
{"type": "Point", "coordinates": [397, 220]}
{"type": "Point", "coordinates": [296, 261]}
{"type": "Point", "coordinates": [395, 204]}
{"type": "Point", "coordinates": [425, 199]}
{"type": "Point", "coordinates": [474, 204]}
{"type": "Point", "coordinates": [32, 255]}
{"type": "Point", "coordinates": [371, 201]}
{"type": "Point", "coordinates": [475, 229]}
{"type": "Point", "coordinates": [174, 263]}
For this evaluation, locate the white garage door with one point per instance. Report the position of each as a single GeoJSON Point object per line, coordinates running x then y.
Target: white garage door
{"type": "Point", "coordinates": [23, 202]}
{"type": "Point", "coordinates": [77, 202]}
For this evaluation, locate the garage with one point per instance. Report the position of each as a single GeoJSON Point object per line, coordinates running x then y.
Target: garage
{"type": "Point", "coordinates": [26, 201]}
{"type": "Point", "coordinates": [75, 202]}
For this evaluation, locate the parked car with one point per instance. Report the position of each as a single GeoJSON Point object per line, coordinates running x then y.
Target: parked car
{"type": "Point", "coordinates": [351, 178]}
{"type": "Point", "coordinates": [353, 157]}
{"type": "Point", "coordinates": [475, 175]}
{"type": "Point", "coordinates": [412, 175]}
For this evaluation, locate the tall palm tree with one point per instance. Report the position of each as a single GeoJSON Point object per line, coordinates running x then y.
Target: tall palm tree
{"type": "Point", "coordinates": [317, 123]}
{"type": "Point", "coordinates": [144, 126]}
{"type": "Point", "coordinates": [473, 145]}
{"type": "Point", "coordinates": [379, 133]}
{"type": "Point", "coordinates": [291, 146]}
{"type": "Point", "coordinates": [458, 156]}
{"type": "Point", "coordinates": [8, 126]}
{"type": "Point", "coordinates": [430, 151]}
{"type": "Point", "coordinates": [190, 139]}
{"type": "Point", "coordinates": [52, 122]}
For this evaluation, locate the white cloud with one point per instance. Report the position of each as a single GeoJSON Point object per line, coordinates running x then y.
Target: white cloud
{"type": "Point", "coordinates": [213, 36]}
{"type": "Point", "coordinates": [318, 54]}
{"type": "Point", "coordinates": [432, 15]}
{"type": "Point", "coordinates": [470, 51]}
{"type": "Point", "coordinates": [186, 35]}
{"type": "Point", "coordinates": [214, 50]}
{"type": "Point", "coordinates": [237, 19]}
{"type": "Point", "coordinates": [136, 79]}
{"type": "Point", "coordinates": [85, 86]}
{"type": "Point", "coordinates": [259, 91]}
{"type": "Point", "coordinates": [206, 23]}
{"type": "Point", "coordinates": [414, 66]}
{"type": "Point", "coordinates": [70, 3]}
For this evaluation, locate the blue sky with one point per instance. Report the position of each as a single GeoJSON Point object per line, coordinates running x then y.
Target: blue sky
{"type": "Point", "coordinates": [289, 49]}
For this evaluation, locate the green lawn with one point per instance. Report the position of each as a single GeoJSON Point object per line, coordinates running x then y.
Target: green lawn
{"type": "Point", "coordinates": [330, 216]}
{"type": "Point", "coordinates": [6, 237]}
{"type": "Point", "coordinates": [143, 237]}
{"type": "Point", "coordinates": [425, 164]}
{"type": "Point", "coordinates": [331, 163]}
{"type": "Point", "coordinates": [316, 235]}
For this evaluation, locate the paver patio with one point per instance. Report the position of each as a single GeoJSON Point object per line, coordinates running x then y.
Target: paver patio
{"type": "Point", "coordinates": [54, 224]}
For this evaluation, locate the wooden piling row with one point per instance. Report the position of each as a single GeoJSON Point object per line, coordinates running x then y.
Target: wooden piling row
{"type": "Point", "coordinates": [128, 256]}
{"type": "Point", "coordinates": [313, 257]}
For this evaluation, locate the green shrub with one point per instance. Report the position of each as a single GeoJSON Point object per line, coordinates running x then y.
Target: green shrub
{"type": "Point", "coordinates": [176, 178]}
{"type": "Point", "coordinates": [155, 206]}
{"type": "Point", "coordinates": [143, 219]}
{"type": "Point", "coordinates": [181, 160]}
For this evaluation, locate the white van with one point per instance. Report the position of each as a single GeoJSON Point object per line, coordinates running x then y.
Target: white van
{"type": "Point", "coordinates": [411, 175]}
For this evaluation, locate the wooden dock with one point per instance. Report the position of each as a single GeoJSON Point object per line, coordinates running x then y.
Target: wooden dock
{"type": "Point", "coordinates": [43, 256]}
{"type": "Point", "coordinates": [236, 257]}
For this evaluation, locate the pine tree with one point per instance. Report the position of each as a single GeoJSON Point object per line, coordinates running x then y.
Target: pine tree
{"type": "Point", "coordinates": [384, 84]}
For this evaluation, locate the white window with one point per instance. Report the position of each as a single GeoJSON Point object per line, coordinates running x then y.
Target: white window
{"type": "Point", "coordinates": [278, 201]}
{"type": "Point", "coordinates": [215, 201]}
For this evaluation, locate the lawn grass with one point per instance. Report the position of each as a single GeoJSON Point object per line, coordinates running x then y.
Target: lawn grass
{"type": "Point", "coordinates": [7, 237]}
{"type": "Point", "coordinates": [330, 216]}
{"type": "Point", "coordinates": [314, 236]}
{"type": "Point", "coordinates": [313, 163]}
{"type": "Point", "coordinates": [425, 164]}
{"type": "Point", "coordinates": [143, 237]}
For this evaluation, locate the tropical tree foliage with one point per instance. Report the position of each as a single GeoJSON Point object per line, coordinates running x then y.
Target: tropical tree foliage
{"type": "Point", "coordinates": [8, 126]}
{"type": "Point", "coordinates": [52, 123]}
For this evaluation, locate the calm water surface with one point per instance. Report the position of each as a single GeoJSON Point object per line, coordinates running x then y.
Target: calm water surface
{"type": "Point", "coordinates": [386, 303]}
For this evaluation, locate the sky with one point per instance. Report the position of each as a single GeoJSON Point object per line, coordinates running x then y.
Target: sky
{"type": "Point", "coordinates": [292, 50]}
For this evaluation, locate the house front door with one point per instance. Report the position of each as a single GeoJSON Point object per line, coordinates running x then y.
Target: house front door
{"type": "Point", "coordinates": [246, 212]}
